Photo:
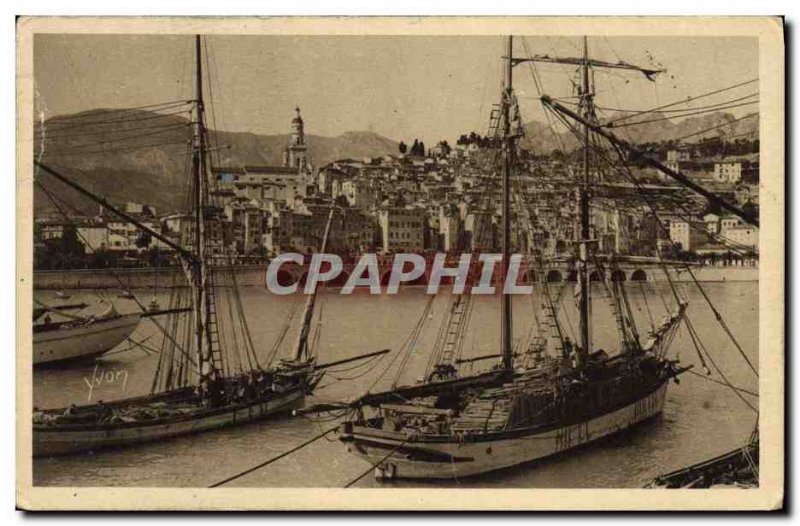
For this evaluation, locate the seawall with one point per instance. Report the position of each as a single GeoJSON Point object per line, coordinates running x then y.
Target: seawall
{"type": "Point", "coordinates": [133, 278]}
{"type": "Point", "coordinates": [254, 275]}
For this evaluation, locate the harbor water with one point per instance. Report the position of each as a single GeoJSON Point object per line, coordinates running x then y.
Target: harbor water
{"type": "Point", "coordinates": [700, 418]}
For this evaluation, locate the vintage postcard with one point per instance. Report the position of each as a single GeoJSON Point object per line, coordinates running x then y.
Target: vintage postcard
{"type": "Point", "coordinates": [400, 263]}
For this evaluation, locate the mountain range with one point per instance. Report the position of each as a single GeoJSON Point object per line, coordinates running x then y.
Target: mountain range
{"type": "Point", "coordinates": [546, 138]}
{"type": "Point", "coordinates": [150, 164]}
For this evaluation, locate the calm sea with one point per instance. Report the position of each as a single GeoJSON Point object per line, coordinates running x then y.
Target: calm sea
{"type": "Point", "coordinates": [700, 418]}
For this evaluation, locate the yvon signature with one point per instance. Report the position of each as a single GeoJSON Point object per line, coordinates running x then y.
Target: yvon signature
{"type": "Point", "coordinates": [108, 377]}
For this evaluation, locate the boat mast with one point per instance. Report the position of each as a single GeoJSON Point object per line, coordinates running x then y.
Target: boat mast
{"type": "Point", "coordinates": [633, 150]}
{"type": "Point", "coordinates": [583, 246]}
{"type": "Point", "coordinates": [505, 309]}
{"type": "Point", "coordinates": [301, 345]}
{"type": "Point", "coordinates": [585, 116]}
{"type": "Point", "coordinates": [199, 271]}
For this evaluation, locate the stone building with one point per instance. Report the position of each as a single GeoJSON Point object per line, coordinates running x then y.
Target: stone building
{"type": "Point", "coordinates": [402, 229]}
{"type": "Point", "coordinates": [728, 171]}
{"type": "Point", "coordinates": [688, 233]}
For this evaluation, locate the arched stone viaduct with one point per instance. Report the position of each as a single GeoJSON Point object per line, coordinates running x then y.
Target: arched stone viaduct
{"type": "Point", "coordinates": [291, 273]}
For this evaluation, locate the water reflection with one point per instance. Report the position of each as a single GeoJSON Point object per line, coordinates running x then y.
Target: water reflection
{"type": "Point", "coordinates": [700, 418]}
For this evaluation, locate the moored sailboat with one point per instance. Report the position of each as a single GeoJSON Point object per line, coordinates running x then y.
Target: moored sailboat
{"type": "Point", "coordinates": [80, 338]}
{"type": "Point", "coordinates": [734, 469]}
{"type": "Point", "coordinates": [209, 375]}
{"type": "Point", "coordinates": [529, 406]}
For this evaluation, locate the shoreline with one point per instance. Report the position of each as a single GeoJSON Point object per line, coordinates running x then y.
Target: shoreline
{"type": "Point", "coordinates": [254, 276]}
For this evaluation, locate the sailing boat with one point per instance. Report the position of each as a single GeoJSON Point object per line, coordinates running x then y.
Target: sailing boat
{"type": "Point", "coordinates": [735, 469]}
{"type": "Point", "coordinates": [79, 337]}
{"type": "Point", "coordinates": [212, 377]}
{"type": "Point", "coordinates": [521, 412]}
{"type": "Point", "coordinates": [739, 467]}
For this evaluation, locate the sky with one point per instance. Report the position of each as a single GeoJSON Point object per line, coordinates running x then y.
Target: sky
{"type": "Point", "coordinates": [405, 87]}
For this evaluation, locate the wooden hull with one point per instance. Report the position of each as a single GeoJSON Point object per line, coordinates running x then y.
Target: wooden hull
{"type": "Point", "coordinates": [48, 441]}
{"type": "Point", "coordinates": [737, 468]}
{"type": "Point", "coordinates": [452, 458]}
{"type": "Point", "coordinates": [84, 342]}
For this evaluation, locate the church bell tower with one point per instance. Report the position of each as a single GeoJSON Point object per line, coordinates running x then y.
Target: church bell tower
{"type": "Point", "coordinates": [295, 153]}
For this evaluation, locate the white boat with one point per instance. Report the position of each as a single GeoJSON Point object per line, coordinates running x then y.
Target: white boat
{"type": "Point", "coordinates": [56, 342]}
{"type": "Point", "coordinates": [426, 456]}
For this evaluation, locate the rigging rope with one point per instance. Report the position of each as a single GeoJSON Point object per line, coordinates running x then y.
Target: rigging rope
{"type": "Point", "coordinates": [647, 305]}
{"type": "Point", "coordinates": [282, 335]}
{"type": "Point", "coordinates": [660, 119]}
{"type": "Point", "coordinates": [376, 359]}
{"type": "Point", "coordinates": [684, 110]}
{"type": "Point", "coordinates": [412, 340]}
{"type": "Point", "coordinates": [754, 114]}
{"type": "Point", "coordinates": [718, 382]}
{"type": "Point", "coordinates": [521, 197]}
{"type": "Point", "coordinates": [58, 126]}
{"type": "Point", "coordinates": [392, 452]}
{"type": "Point", "coordinates": [717, 315]}
{"type": "Point", "coordinates": [732, 246]}
{"type": "Point", "coordinates": [124, 149]}
{"type": "Point", "coordinates": [274, 459]}
{"type": "Point", "coordinates": [73, 148]}
{"type": "Point", "coordinates": [142, 308]}
{"type": "Point", "coordinates": [729, 137]}
{"type": "Point", "coordinates": [721, 374]}
{"type": "Point", "coordinates": [686, 101]}
{"type": "Point", "coordinates": [359, 364]}
{"type": "Point", "coordinates": [400, 353]}
{"type": "Point", "coordinates": [104, 112]}
{"type": "Point", "coordinates": [687, 267]}
{"type": "Point", "coordinates": [67, 136]}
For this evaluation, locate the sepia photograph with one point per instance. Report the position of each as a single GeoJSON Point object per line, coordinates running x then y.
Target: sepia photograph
{"type": "Point", "coordinates": [403, 256]}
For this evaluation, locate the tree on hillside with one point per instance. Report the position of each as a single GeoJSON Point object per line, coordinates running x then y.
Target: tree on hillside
{"type": "Point", "coordinates": [71, 247]}
{"type": "Point", "coordinates": [480, 140]}
{"type": "Point", "coordinates": [403, 147]}
{"type": "Point", "coordinates": [341, 201]}
{"type": "Point", "coordinates": [418, 148]}
{"type": "Point", "coordinates": [66, 251]}
{"type": "Point", "coordinates": [102, 258]}
{"type": "Point", "coordinates": [143, 240]}
{"type": "Point", "coordinates": [750, 208]}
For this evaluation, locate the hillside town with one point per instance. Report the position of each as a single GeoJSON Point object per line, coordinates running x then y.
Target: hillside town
{"type": "Point", "coordinates": [419, 278]}
{"type": "Point", "coordinates": [439, 199]}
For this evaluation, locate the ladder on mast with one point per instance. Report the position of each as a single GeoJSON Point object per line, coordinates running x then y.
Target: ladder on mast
{"type": "Point", "coordinates": [215, 349]}
{"type": "Point", "coordinates": [530, 224]}
{"type": "Point", "coordinates": [495, 119]}
{"type": "Point", "coordinates": [212, 321]}
{"type": "Point", "coordinates": [452, 340]}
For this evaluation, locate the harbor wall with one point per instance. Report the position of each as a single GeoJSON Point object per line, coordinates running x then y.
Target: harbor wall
{"type": "Point", "coordinates": [254, 275]}
{"type": "Point", "coordinates": [712, 274]}
{"type": "Point", "coordinates": [133, 278]}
